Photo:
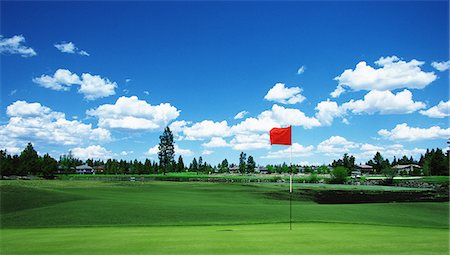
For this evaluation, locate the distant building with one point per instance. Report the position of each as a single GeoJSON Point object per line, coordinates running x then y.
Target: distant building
{"type": "Point", "coordinates": [85, 169]}
{"type": "Point", "coordinates": [364, 169]}
{"type": "Point", "coordinates": [409, 168]}
{"type": "Point", "coordinates": [261, 170]}
{"type": "Point", "coordinates": [234, 170]}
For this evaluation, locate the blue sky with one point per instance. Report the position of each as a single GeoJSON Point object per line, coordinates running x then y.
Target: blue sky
{"type": "Point", "coordinates": [103, 79]}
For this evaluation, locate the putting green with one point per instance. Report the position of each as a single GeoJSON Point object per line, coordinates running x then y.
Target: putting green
{"type": "Point", "coordinates": [306, 238]}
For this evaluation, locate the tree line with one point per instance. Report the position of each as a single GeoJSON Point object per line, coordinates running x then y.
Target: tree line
{"type": "Point", "coordinates": [433, 162]}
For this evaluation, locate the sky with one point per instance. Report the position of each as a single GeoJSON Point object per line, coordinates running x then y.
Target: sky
{"type": "Point", "coordinates": [103, 79]}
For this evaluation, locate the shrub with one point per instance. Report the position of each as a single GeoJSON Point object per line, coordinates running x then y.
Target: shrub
{"type": "Point", "coordinates": [312, 178]}
{"type": "Point", "coordinates": [339, 174]}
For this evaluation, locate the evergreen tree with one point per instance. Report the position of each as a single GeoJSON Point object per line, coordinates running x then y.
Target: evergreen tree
{"type": "Point", "coordinates": [166, 152]}
{"type": "Point", "coordinates": [224, 166]}
{"type": "Point", "coordinates": [194, 166]}
{"type": "Point", "coordinates": [180, 164]}
{"type": "Point", "coordinates": [49, 166]}
{"type": "Point", "coordinates": [29, 161]}
{"type": "Point", "coordinates": [250, 164]}
{"type": "Point", "coordinates": [242, 162]}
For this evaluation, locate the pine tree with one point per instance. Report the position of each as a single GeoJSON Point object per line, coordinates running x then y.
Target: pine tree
{"type": "Point", "coordinates": [250, 164]}
{"type": "Point", "coordinates": [180, 164]}
{"type": "Point", "coordinates": [242, 162]}
{"type": "Point", "coordinates": [29, 161]}
{"type": "Point", "coordinates": [166, 152]}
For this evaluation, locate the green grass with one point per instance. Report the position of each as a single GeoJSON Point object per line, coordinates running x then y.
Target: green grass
{"type": "Point", "coordinates": [305, 238]}
{"type": "Point", "coordinates": [78, 217]}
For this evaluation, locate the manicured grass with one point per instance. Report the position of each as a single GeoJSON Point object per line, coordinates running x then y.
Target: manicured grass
{"type": "Point", "coordinates": [99, 217]}
{"type": "Point", "coordinates": [312, 238]}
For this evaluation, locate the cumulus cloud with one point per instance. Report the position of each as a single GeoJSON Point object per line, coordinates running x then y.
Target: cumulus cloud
{"type": "Point", "coordinates": [134, 114]}
{"type": "Point", "coordinates": [94, 86]}
{"type": "Point", "coordinates": [281, 94]}
{"type": "Point", "coordinates": [327, 111]}
{"type": "Point", "coordinates": [298, 150]}
{"type": "Point", "coordinates": [206, 129]}
{"type": "Point", "coordinates": [35, 122]}
{"type": "Point", "coordinates": [392, 74]}
{"type": "Point", "coordinates": [240, 115]}
{"type": "Point", "coordinates": [62, 80]}
{"type": "Point", "coordinates": [336, 145]}
{"type": "Point", "coordinates": [276, 117]}
{"type": "Point", "coordinates": [216, 142]}
{"type": "Point", "coordinates": [441, 66]}
{"type": "Point", "coordinates": [14, 45]}
{"type": "Point", "coordinates": [69, 47]}
{"type": "Point", "coordinates": [402, 132]}
{"type": "Point", "coordinates": [337, 92]}
{"type": "Point", "coordinates": [91, 86]}
{"type": "Point", "coordinates": [384, 102]}
{"type": "Point", "coordinates": [439, 111]}
{"type": "Point", "coordinates": [242, 142]}
{"type": "Point", "coordinates": [92, 152]}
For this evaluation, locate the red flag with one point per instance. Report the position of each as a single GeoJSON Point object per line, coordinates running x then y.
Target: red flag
{"type": "Point", "coordinates": [281, 136]}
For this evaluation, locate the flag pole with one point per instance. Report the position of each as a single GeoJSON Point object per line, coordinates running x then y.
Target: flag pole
{"type": "Point", "coordinates": [290, 191]}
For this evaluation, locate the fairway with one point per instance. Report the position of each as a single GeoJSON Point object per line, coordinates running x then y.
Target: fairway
{"type": "Point", "coordinates": [79, 217]}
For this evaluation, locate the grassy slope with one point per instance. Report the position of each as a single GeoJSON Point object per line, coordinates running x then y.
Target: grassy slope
{"type": "Point", "coordinates": [86, 203]}
{"type": "Point", "coordinates": [69, 205]}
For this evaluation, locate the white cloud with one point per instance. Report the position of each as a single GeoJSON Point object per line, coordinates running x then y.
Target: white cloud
{"type": "Point", "coordinates": [327, 111]}
{"type": "Point", "coordinates": [301, 70]}
{"type": "Point", "coordinates": [126, 153]}
{"type": "Point", "coordinates": [91, 86]}
{"type": "Point", "coordinates": [14, 45]}
{"type": "Point", "coordinates": [240, 115]}
{"type": "Point", "coordinates": [153, 150]}
{"type": "Point", "coordinates": [92, 152]}
{"type": "Point", "coordinates": [439, 111]}
{"type": "Point", "coordinates": [336, 145]}
{"type": "Point", "coordinates": [178, 151]}
{"type": "Point", "coordinates": [216, 142]}
{"type": "Point", "coordinates": [134, 114]}
{"type": "Point", "coordinates": [14, 91]}
{"type": "Point", "coordinates": [146, 92]}
{"type": "Point", "coordinates": [384, 102]}
{"type": "Point", "coordinates": [276, 117]}
{"type": "Point", "coordinates": [298, 150]}
{"type": "Point", "coordinates": [207, 152]}
{"type": "Point", "coordinates": [61, 80]}
{"type": "Point", "coordinates": [69, 47]}
{"type": "Point", "coordinates": [441, 66]}
{"type": "Point", "coordinates": [182, 152]}
{"type": "Point", "coordinates": [37, 123]}
{"type": "Point", "coordinates": [206, 129]}
{"type": "Point", "coordinates": [337, 92]}
{"type": "Point", "coordinates": [281, 94]}
{"type": "Point", "coordinates": [402, 132]}
{"type": "Point", "coordinates": [368, 151]}
{"type": "Point", "coordinates": [94, 86]}
{"type": "Point", "coordinates": [243, 142]}
{"type": "Point", "coordinates": [392, 74]}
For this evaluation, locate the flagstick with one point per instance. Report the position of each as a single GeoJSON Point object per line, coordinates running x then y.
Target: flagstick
{"type": "Point", "coordinates": [290, 193]}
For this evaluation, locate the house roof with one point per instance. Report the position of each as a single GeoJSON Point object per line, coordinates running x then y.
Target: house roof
{"type": "Point", "coordinates": [84, 167]}
{"type": "Point", "coordinates": [406, 166]}
{"type": "Point", "coordinates": [364, 166]}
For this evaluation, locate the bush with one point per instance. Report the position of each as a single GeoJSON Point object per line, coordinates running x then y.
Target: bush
{"type": "Point", "coordinates": [312, 178]}
{"type": "Point", "coordinates": [339, 174]}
